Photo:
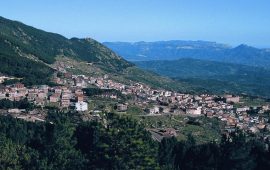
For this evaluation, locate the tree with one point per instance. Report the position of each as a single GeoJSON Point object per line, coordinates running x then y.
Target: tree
{"type": "Point", "coordinates": [121, 144]}
{"type": "Point", "coordinates": [60, 148]}
{"type": "Point", "coordinates": [9, 157]}
{"type": "Point", "coordinates": [166, 149]}
{"type": "Point", "coordinates": [235, 152]}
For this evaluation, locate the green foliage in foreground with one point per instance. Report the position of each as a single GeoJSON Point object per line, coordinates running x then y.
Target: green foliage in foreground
{"type": "Point", "coordinates": [120, 144]}
{"type": "Point", "coordinates": [234, 152]}
{"type": "Point", "coordinates": [117, 143]}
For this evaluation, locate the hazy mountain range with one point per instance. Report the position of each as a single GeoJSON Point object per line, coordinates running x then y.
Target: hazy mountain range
{"type": "Point", "coordinates": [204, 50]}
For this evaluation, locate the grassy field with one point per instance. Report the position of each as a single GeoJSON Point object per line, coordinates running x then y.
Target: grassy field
{"type": "Point", "coordinates": [203, 129]}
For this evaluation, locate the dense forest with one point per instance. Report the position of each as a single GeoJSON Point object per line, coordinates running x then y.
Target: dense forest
{"type": "Point", "coordinates": [30, 71]}
{"type": "Point", "coordinates": [117, 142]}
{"type": "Point", "coordinates": [234, 152]}
{"type": "Point", "coordinates": [120, 143]}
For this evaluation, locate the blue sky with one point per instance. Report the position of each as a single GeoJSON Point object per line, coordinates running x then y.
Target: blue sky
{"type": "Point", "coordinates": [227, 21]}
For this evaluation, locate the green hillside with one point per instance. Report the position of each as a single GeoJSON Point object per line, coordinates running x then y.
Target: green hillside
{"type": "Point", "coordinates": [46, 46]}
{"type": "Point", "coordinates": [215, 77]}
{"type": "Point", "coordinates": [25, 52]}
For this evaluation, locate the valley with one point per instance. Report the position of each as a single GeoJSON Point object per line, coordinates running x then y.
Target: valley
{"type": "Point", "coordinates": [214, 77]}
{"type": "Point", "coordinates": [76, 104]}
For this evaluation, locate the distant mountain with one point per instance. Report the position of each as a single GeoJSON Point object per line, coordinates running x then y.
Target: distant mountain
{"type": "Point", "coordinates": [172, 50]}
{"type": "Point", "coordinates": [214, 76]}
{"type": "Point", "coordinates": [161, 50]}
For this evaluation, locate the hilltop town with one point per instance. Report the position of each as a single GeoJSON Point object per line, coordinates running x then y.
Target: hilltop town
{"type": "Point", "coordinates": [70, 94]}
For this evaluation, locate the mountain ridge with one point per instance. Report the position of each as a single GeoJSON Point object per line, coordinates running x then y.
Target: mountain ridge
{"type": "Point", "coordinates": [204, 50]}
{"type": "Point", "coordinates": [46, 46]}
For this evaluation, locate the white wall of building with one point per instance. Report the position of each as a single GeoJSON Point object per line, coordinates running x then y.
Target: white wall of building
{"type": "Point", "coordinates": [81, 106]}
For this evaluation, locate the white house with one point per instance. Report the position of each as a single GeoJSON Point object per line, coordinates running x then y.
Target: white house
{"type": "Point", "coordinates": [154, 110]}
{"type": "Point", "coordinates": [2, 95]}
{"type": "Point", "coordinates": [81, 106]}
{"type": "Point", "coordinates": [194, 111]}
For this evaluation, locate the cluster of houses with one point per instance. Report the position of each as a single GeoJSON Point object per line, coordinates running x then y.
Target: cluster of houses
{"type": "Point", "coordinates": [43, 95]}
{"type": "Point", "coordinates": [67, 95]}
{"type": "Point", "coordinates": [153, 101]}
{"type": "Point", "coordinates": [222, 107]}
{"type": "Point", "coordinates": [159, 102]}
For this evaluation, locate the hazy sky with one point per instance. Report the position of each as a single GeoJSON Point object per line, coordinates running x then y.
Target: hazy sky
{"type": "Point", "coordinates": [228, 21]}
